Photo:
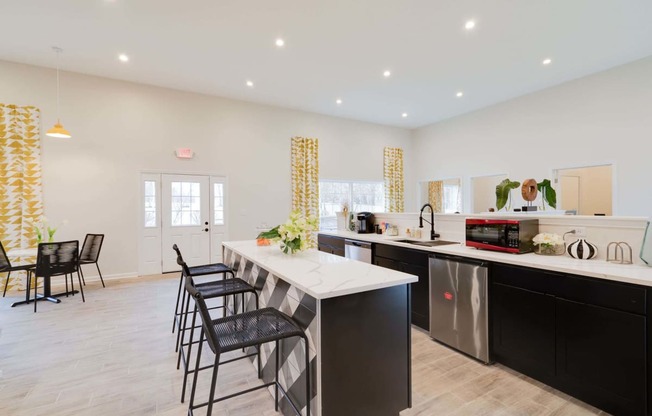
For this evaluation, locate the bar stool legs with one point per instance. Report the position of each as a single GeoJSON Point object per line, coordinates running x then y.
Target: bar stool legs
{"type": "Point", "coordinates": [216, 364]}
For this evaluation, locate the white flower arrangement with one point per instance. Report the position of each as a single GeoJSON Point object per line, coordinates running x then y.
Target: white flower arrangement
{"type": "Point", "coordinates": [295, 234]}
{"type": "Point", "coordinates": [548, 239]}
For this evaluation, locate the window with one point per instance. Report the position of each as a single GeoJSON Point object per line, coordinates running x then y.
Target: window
{"type": "Point", "coordinates": [358, 196]}
{"type": "Point", "coordinates": [150, 204]}
{"type": "Point", "coordinates": [186, 200]}
{"type": "Point", "coordinates": [452, 198]}
{"type": "Point", "coordinates": [218, 203]}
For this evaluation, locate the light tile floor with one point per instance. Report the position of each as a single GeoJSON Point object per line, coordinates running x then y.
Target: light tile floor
{"type": "Point", "coordinates": [114, 355]}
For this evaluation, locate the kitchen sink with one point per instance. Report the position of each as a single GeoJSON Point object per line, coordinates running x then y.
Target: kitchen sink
{"type": "Point", "coordinates": [427, 243]}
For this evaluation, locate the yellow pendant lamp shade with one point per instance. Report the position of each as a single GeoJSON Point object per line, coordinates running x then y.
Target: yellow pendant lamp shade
{"type": "Point", "coordinates": [58, 130]}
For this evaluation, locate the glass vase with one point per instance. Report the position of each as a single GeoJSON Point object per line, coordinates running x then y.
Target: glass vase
{"type": "Point", "coordinates": [550, 249]}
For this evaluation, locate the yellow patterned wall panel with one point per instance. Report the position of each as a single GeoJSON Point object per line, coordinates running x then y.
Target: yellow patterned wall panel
{"type": "Point", "coordinates": [394, 183]}
{"type": "Point", "coordinates": [305, 175]}
{"type": "Point", "coordinates": [20, 181]}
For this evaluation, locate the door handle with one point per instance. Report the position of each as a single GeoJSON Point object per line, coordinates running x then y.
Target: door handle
{"type": "Point", "coordinates": [206, 223]}
{"type": "Point", "coordinates": [206, 229]}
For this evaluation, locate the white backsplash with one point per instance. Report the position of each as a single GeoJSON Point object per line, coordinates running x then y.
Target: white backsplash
{"type": "Point", "coordinates": [599, 230]}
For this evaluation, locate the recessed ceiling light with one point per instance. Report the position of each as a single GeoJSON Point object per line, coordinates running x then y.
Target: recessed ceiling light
{"type": "Point", "coordinates": [547, 61]}
{"type": "Point", "coordinates": [250, 84]}
{"type": "Point", "coordinates": [404, 115]}
{"type": "Point", "coordinates": [459, 94]}
{"type": "Point", "coordinates": [470, 24]}
{"type": "Point", "coordinates": [123, 58]}
{"type": "Point", "coordinates": [387, 73]}
{"type": "Point", "coordinates": [338, 101]}
{"type": "Point", "coordinates": [280, 42]}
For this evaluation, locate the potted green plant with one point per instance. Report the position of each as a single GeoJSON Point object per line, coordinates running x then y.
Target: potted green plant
{"type": "Point", "coordinates": [548, 193]}
{"type": "Point", "coordinates": [504, 194]}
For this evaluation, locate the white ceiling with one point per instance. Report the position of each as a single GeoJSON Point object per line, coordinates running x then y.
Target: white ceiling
{"type": "Point", "coordinates": [335, 48]}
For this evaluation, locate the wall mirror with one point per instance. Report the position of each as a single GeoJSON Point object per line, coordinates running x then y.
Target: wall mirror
{"type": "Point", "coordinates": [445, 195]}
{"type": "Point", "coordinates": [585, 190]}
{"type": "Point", "coordinates": [483, 191]}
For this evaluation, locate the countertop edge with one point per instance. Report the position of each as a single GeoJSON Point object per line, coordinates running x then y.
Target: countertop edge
{"type": "Point", "coordinates": [331, 294]}
{"type": "Point", "coordinates": [631, 273]}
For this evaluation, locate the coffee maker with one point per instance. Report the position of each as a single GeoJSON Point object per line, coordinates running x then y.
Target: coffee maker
{"type": "Point", "coordinates": [365, 222]}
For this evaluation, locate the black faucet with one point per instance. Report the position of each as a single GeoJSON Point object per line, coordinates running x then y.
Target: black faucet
{"type": "Point", "coordinates": [433, 235]}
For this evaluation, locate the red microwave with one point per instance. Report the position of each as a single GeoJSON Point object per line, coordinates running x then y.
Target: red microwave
{"type": "Point", "coordinates": [507, 235]}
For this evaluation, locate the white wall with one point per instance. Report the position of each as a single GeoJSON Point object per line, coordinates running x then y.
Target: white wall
{"type": "Point", "coordinates": [600, 119]}
{"type": "Point", "coordinates": [121, 128]}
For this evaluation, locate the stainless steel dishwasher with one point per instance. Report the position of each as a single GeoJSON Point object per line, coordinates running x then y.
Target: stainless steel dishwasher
{"type": "Point", "coordinates": [357, 250]}
{"type": "Point", "coordinates": [458, 304]}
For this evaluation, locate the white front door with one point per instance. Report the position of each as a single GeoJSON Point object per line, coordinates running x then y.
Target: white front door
{"type": "Point", "coordinates": [218, 217]}
{"type": "Point", "coordinates": [186, 220]}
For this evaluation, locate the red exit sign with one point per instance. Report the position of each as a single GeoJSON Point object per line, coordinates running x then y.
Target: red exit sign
{"type": "Point", "coordinates": [184, 153]}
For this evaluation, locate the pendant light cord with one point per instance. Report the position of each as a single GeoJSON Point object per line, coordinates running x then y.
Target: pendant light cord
{"type": "Point", "coordinates": [58, 52]}
{"type": "Point", "coordinates": [58, 111]}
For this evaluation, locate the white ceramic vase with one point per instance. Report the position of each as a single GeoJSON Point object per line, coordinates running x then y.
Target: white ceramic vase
{"type": "Point", "coordinates": [582, 249]}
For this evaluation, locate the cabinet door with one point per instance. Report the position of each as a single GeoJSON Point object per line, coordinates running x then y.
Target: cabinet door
{"type": "Point", "coordinates": [388, 263]}
{"type": "Point", "coordinates": [524, 330]}
{"type": "Point", "coordinates": [601, 356]}
{"type": "Point", "coordinates": [420, 295]}
{"type": "Point", "coordinates": [325, 248]}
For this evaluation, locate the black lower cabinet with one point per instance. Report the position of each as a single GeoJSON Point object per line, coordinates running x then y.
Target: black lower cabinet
{"type": "Point", "coordinates": [366, 353]}
{"type": "Point", "coordinates": [413, 262]}
{"type": "Point", "coordinates": [330, 244]}
{"type": "Point", "coordinates": [601, 356]}
{"type": "Point", "coordinates": [583, 336]}
{"type": "Point", "coordinates": [524, 331]}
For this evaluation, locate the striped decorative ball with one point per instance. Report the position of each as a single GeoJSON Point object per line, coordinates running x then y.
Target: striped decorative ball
{"type": "Point", "coordinates": [582, 249]}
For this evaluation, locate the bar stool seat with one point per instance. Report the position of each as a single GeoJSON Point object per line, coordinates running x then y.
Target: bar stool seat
{"type": "Point", "coordinates": [251, 328]}
{"type": "Point", "coordinates": [223, 287]}
{"type": "Point", "coordinates": [215, 268]}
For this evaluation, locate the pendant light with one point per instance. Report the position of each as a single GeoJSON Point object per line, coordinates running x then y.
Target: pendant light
{"type": "Point", "coordinates": [58, 130]}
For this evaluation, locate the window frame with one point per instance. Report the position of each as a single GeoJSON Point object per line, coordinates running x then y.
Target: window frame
{"type": "Point", "coordinates": [350, 183]}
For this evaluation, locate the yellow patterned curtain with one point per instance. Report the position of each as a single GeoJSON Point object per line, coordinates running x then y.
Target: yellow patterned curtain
{"type": "Point", "coordinates": [305, 176]}
{"type": "Point", "coordinates": [393, 174]}
{"type": "Point", "coordinates": [20, 180]}
{"type": "Point", "coordinates": [436, 195]}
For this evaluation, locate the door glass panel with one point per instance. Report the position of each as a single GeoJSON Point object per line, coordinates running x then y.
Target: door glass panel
{"type": "Point", "coordinates": [218, 203]}
{"type": "Point", "coordinates": [186, 202]}
{"type": "Point", "coordinates": [150, 204]}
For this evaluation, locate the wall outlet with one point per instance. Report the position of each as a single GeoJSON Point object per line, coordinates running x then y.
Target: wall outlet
{"type": "Point", "coordinates": [580, 232]}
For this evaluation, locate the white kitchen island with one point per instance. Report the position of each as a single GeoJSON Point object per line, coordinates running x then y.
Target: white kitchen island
{"type": "Point", "coordinates": [356, 317]}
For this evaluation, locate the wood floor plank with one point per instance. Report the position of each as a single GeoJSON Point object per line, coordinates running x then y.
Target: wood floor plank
{"type": "Point", "coordinates": [114, 355]}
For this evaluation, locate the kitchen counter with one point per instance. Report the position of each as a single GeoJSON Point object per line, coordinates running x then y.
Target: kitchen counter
{"type": "Point", "coordinates": [357, 320]}
{"type": "Point", "coordinates": [626, 273]}
{"type": "Point", "coordinates": [318, 274]}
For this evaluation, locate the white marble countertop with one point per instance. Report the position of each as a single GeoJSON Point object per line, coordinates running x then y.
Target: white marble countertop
{"type": "Point", "coordinates": [627, 273]}
{"type": "Point", "coordinates": [319, 274]}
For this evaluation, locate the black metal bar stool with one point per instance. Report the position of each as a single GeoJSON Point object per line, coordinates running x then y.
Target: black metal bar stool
{"type": "Point", "coordinates": [208, 290]}
{"type": "Point", "coordinates": [248, 329]}
{"type": "Point", "coordinates": [203, 270]}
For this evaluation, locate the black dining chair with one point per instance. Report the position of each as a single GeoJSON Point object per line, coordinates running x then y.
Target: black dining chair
{"type": "Point", "coordinates": [244, 330]}
{"type": "Point", "coordinates": [57, 259]}
{"type": "Point", "coordinates": [6, 267]}
{"type": "Point", "coordinates": [90, 253]}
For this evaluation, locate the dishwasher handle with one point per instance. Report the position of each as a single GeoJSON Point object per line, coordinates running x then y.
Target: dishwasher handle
{"type": "Point", "coordinates": [361, 244]}
{"type": "Point", "coordinates": [460, 259]}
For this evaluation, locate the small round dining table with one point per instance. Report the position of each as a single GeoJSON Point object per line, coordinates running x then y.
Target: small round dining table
{"type": "Point", "coordinates": [47, 288]}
